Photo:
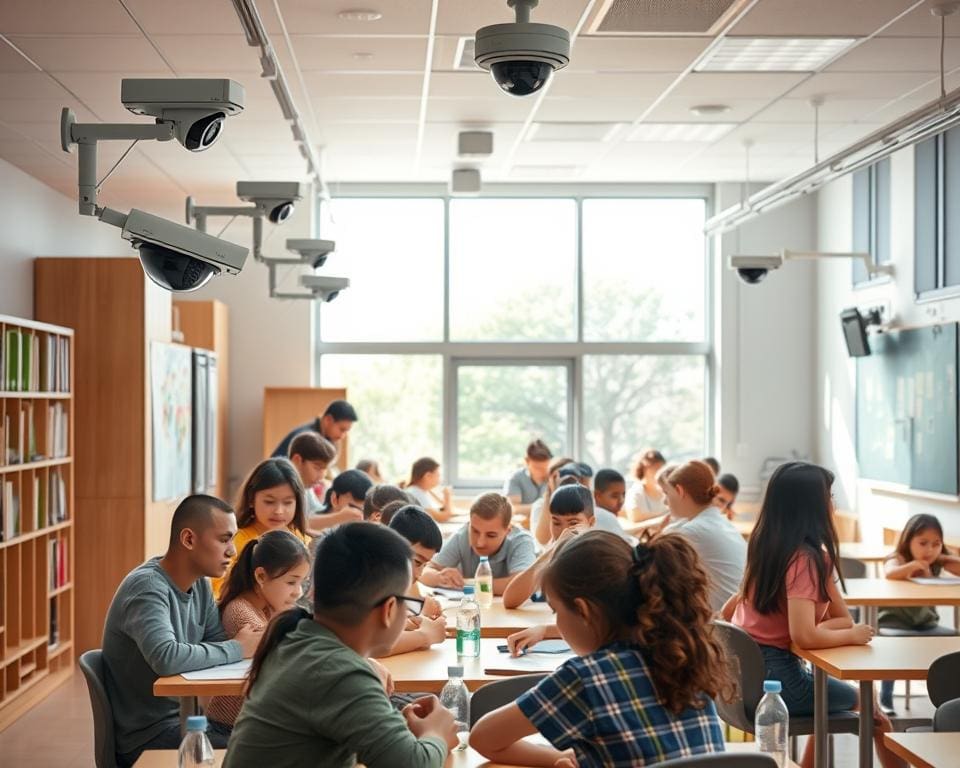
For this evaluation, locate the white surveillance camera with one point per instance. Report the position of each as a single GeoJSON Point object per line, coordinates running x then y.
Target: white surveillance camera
{"type": "Point", "coordinates": [195, 108]}
{"type": "Point", "coordinates": [274, 198]}
{"type": "Point", "coordinates": [175, 257]}
{"type": "Point", "coordinates": [312, 252]}
{"type": "Point", "coordinates": [522, 56]}
{"type": "Point", "coordinates": [324, 288]}
{"type": "Point", "coordinates": [752, 269]}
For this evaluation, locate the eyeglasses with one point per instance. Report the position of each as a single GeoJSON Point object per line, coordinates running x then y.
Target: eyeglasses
{"type": "Point", "coordinates": [414, 605]}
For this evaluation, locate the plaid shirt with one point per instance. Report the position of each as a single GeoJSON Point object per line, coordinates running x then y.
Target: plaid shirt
{"type": "Point", "coordinates": [603, 705]}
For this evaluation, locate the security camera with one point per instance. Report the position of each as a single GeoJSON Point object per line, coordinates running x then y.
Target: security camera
{"type": "Point", "coordinates": [752, 269]}
{"type": "Point", "coordinates": [312, 252]}
{"type": "Point", "coordinates": [175, 257]}
{"type": "Point", "coordinates": [195, 108]}
{"type": "Point", "coordinates": [274, 198]}
{"type": "Point", "coordinates": [324, 288]}
{"type": "Point", "coordinates": [522, 56]}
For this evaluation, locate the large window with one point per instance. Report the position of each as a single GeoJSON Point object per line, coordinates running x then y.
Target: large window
{"type": "Point", "coordinates": [473, 326]}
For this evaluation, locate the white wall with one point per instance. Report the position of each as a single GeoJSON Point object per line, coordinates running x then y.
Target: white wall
{"type": "Point", "coordinates": [765, 349]}
{"type": "Point", "coordinates": [836, 373]}
{"type": "Point", "coordinates": [35, 220]}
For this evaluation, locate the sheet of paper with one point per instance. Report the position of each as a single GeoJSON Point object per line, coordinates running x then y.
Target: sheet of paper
{"type": "Point", "coordinates": [452, 594]}
{"type": "Point", "coordinates": [937, 581]}
{"type": "Point", "coordinates": [522, 665]}
{"type": "Point", "coordinates": [233, 671]}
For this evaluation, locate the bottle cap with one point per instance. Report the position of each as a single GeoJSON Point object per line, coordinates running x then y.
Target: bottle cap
{"type": "Point", "coordinates": [467, 589]}
{"type": "Point", "coordinates": [484, 559]}
{"type": "Point", "coordinates": [455, 671]}
{"type": "Point", "coordinates": [197, 723]}
{"type": "Point", "coordinates": [772, 686]}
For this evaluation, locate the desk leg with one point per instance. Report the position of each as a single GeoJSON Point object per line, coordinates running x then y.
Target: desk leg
{"type": "Point", "coordinates": [872, 614]}
{"type": "Point", "coordinates": [820, 735]}
{"type": "Point", "coordinates": [189, 706]}
{"type": "Point", "coordinates": [866, 724]}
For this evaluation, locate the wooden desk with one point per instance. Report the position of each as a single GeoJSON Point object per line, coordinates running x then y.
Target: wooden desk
{"type": "Point", "coordinates": [497, 621]}
{"type": "Point", "coordinates": [885, 658]}
{"type": "Point", "coordinates": [873, 593]}
{"type": "Point", "coordinates": [865, 553]}
{"type": "Point", "coordinates": [925, 750]}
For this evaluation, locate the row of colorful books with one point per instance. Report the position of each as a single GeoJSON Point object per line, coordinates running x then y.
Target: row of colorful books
{"type": "Point", "coordinates": [48, 504]}
{"type": "Point", "coordinates": [31, 361]}
{"type": "Point", "coordinates": [18, 433]}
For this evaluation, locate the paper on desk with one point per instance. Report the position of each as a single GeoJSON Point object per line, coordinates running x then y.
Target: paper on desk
{"type": "Point", "coordinates": [235, 671]}
{"type": "Point", "coordinates": [453, 594]}
{"type": "Point", "coordinates": [936, 581]}
{"type": "Point", "coordinates": [524, 665]}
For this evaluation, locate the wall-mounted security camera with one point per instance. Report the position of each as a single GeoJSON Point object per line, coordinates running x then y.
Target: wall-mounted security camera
{"type": "Point", "coordinates": [274, 198]}
{"type": "Point", "coordinates": [317, 287]}
{"type": "Point", "coordinates": [522, 56]}
{"type": "Point", "coordinates": [752, 269]}
{"type": "Point", "coordinates": [312, 251]}
{"type": "Point", "coordinates": [175, 257]}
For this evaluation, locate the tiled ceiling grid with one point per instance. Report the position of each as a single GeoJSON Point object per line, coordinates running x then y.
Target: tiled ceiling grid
{"type": "Point", "coordinates": [360, 87]}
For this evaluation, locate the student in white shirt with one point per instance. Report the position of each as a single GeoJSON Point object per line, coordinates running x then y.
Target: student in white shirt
{"type": "Point", "coordinates": [609, 495]}
{"type": "Point", "coordinates": [645, 499]}
{"type": "Point", "coordinates": [423, 485]}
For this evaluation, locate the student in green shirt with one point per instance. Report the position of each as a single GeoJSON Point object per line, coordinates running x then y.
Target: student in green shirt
{"type": "Point", "coordinates": [313, 698]}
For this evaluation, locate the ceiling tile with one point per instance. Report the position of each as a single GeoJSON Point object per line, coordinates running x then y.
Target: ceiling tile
{"type": "Point", "coordinates": [720, 87]}
{"type": "Point", "coordinates": [93, 54]}
{"type": "Point", "coordinates": [56, 17]}
{"type": "Point", "coordinates": [466, 110]}
{"type": "Point", "coordinates": [921, 23]}
{"type": "Point", "coordinates": [337, 110]}
{"type": "Point", "coordinates": [445, 50]}
{"type": "Point", "coordinates": [464, 17]}
{"type": "Point", "coordinates": [605, 110]}
{"type": "Point", "coordinates": [29, 85]}
{"type": "Point", "coordinates": [11, 61]}
{"type": "Point", "coordinates": [468, 85]}
{"type": "Point", "coordinates": [831, 111]}
{"type": "Point", "coordinates": [896, 54]}
{"type": "Point", "coordinates": [42, 111]}
{"type": "Point", "coordinates": [360, 54]}
{"type": "Point", "coordinates": [827, 18]}
{"type": "Point", "coordinates": [635, 54]}
{"type": "Point", "coordinates": [188, 17]}
{"type": "Point", "coordinates": [362, 85]}
{"type": "Point", "coordinates": [221, 54]}
{"type": "Point", "coordinates": [587, 86]}
{"type": "Point", "coordinates": [850, 85]}
{"type": "Point", "coordinates": [676, 109]}
{"type": "Point", "coordinates": [314, 17]}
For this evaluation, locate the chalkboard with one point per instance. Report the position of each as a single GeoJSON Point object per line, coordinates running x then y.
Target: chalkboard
{"type": "Point", "coordinates": [907, 409]}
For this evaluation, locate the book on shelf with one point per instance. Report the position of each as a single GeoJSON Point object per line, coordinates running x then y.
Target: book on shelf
{"type": "Point", "coordinates": [57, 563]}
{"type": "Point", "coordinates": [55, 497]}
{"type": "Point", "coordinates": [54, 639]}
{"type": "Point", "coordinates": [10, 509]}
{"type": "Point", "coordinates": [57, 425]}
{"type": "Point", "coordinates": [35, 503]}
{"type": "Point", "coordinates": [11, 370]}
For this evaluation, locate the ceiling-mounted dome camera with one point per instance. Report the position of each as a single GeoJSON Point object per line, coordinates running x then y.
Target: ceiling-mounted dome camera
{"type": "Point", "coordinates": [753, 269]}
{"type": "Point", "coordinates": [522, 56]}
{"type": "Point", "coordinates": [275, 198]}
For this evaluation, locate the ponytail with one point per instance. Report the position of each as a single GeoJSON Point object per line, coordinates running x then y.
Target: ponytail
{"type": "Point", "coordinates": [697, 479]}
{"type": "Point", "coordinates": [275, 551]}
{"type": "Point", "coordinates": [280, 626]}
{"type": "Point", "coordinates": [420, 468]}
{"type": "Point", "coordinates": [240, 579]}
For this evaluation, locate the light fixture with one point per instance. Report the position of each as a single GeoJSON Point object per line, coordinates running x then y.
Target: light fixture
{"type": "Point", "coordinates": [703, 133]}
{"type": "Point", "coordinates": [575, 132]}
{"type": "Point", "coordinates": [774, 54]}
{"type": "Point", "coordinates": [709, 110]}
{"type": "Point", "coordinates": [359, 14]}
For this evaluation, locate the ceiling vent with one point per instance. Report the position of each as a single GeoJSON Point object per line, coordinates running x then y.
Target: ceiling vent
{"type": "Point", "coordinates": [663, 17]}
{"type": "Point", "coordinates": [463, 58]}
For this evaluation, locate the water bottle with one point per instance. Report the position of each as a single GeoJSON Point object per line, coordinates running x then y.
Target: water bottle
{"type": "Point", "coordinates": [468, 625]}
{"type": "Point", "coordinates": [195, 749]}
{"type": "Point", "coordinates": [770, 723]}
{"type": "Point", "coordinates": [456, 698]}
{"type": "Point", "coordinates": [484, 582]}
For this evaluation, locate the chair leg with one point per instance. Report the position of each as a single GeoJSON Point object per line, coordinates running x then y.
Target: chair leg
{"type": "Point", "coordinates": [906, 704]}
{"type": "Point", "coordinates": [831, 762]}
{"type": "Point", "coordinates": [793, 748]}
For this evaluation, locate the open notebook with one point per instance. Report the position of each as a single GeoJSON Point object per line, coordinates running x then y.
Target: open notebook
{"type": "Point", "coordinates": [937, 581]}
{"type": "Point", "coordinates": [235, 671]}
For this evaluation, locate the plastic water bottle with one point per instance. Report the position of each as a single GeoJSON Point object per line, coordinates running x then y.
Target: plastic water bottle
{"type": "Point", "coordinates": [468, 625]}
{"type": "Point", "coordinates": [484, 581]}
{"type": "Point", "coordinates": [770, 723]}
{"type": "Point", "coordinates": [195, 749]}
{"type": "Point", "coordinates": [456, 698]}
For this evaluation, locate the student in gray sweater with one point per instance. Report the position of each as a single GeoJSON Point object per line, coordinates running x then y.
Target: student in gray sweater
{"type": "Point", "coordinates": [163, 621]}
{"type": "Point", "coordinates": [313, 698]}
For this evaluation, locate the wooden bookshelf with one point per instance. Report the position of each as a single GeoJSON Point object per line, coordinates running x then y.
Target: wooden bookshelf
{"type": "Point", "coordinates": [36, 469]}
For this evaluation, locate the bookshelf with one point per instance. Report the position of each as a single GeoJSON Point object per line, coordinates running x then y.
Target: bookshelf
{"type": "Point", "coordinates": [36, 512]}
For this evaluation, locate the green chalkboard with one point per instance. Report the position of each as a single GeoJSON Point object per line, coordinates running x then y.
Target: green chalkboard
{"type": "Point", "coordinates": [907, 409]}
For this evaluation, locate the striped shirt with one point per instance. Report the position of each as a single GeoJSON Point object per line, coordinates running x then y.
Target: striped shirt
{"type": "Point", "coordinates": [604, 707]}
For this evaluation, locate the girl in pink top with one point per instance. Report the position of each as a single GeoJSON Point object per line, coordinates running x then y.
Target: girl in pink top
{"type": "Point", "coordinates": [790, 593]}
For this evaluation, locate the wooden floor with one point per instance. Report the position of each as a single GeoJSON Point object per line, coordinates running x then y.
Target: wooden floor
{"type": "Point", "coordinates": [58, 733]}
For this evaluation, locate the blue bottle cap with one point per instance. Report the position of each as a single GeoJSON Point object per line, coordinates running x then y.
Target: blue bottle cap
{"type": "Point", "coordinates": [197, 723]}
{"type": "Point", "coordinates": [772, 686]}
{"type": "Point", "coordinates": [484, 559]}
{"type": "Point", "coordinates": [468, 589]}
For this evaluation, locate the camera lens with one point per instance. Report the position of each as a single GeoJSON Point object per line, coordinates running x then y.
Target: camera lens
{"type": "Point", "coordinates": [174, 271]}
{"type": "Point", "coordinates": [752, 275]}
{"type": "Point", "coordinates": [521, 78]}
{"type": "Point", "coordinates": [281, 213]}
{"type": "Point", "coordinates": [204, 132]}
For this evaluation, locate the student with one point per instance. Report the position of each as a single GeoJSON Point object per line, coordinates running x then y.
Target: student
{"type": "Point", "coordinates": [713, 464]}
{"type": "Point", "coordinates": [645, 498]}
{"type": "Point", "coordinates": [920, 552]}
{"type": "Point", "coordinates": [335, 422]}
{"type": "Point", "coordinates": [543, 536]}
{"type": "Point", "coordinates": [488, 534]}
{"type": "Point", "coordinates": [648, 662]}
{"type": "Point", "coordinates": [163, 621]}
{"type": "Point", "coordinates": [690, 489]}
{"type": "Point", "coordinates": [390, 509]}
{"type": "Point", "coordinates": [266, 579]}
{"type": "Point", "coordinates": [378, 496]}
{"type": "Point", "coordinates": [343, 502]}
{"type": "Point", "coordinates": [371, 468]}
{"type": "Point", "coordinates": [312, 696]}
{"type": "Point", "coordinates": [790, 595]}
{"type": "Point", "coordinates": [272, 498]}
{"type": "Point", "coordinates": [424, 479]}
{"type": "Point", "coordinates": [609, 496]}
{"type": "Point", "coordinates": [312, 454]}
{"type": "Point", "coordinates": [526, 485]}
{"type": "Point", "coordinates": [727, 495]}
{"type": "Point", "coordinates": [571, 511]}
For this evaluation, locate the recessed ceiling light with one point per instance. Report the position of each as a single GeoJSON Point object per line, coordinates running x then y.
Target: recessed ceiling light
{"type": "Point", "coordinates": [578, 132]}
{"type": "Point", "coordinates": [670, 132]}
{"type": "Point", "coordinates": [774, 54]}
{"type": "Point", "coordinates": [359, 14]}
{"type": "Point", "coordinates": [707, 110]}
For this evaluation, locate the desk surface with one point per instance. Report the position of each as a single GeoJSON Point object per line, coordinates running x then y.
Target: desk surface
{"type": "Point", "coordinates": [925, 750]}
{"type": "Point", "coordinates": [900, 594]}
{"type": "Point", "coordinates": [884, 658]}
{"type": "Point", "coordinates": [497, 621]}
{"type": "Point", "coordinates": [865, 553]}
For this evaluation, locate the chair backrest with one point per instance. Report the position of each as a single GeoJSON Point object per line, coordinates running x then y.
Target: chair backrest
{"type": "Point", "coordinates": [722, 760]}
{"type": "Point", "coordinates": [853, 569]}
{"type": "Point", "coordinates": [492, 695]}
{"type": "Point", "coordinates": [947, 717]}
{"type": "Point", "coordinates": [104, 745]}
{"type": "Point", "coordinates": [748, 670]}
{"type": "Point", "coordinates": [943, 679]}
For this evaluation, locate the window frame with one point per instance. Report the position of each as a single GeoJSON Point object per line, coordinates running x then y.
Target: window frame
{"type": "Point", "coordinates": [939, 189]}
{"type": "Point", "coordinates": [455, 353]}
{"type": "Point", "coordinates": [877, 221]}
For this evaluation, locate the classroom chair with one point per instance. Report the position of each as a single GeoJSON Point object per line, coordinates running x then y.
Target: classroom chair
{"type": "Point", "coordinates": [853, 569]}
{"type": "Point", "coordinates": [493, 695]}
{"type": "Point", "coordinates": [943, 686]}
{"type": "Point", "coordinates": [721, 760]}
{"type": "Point", "coordinates": [104, 746]}
{"type": "Point", "coordinates": [749, 672]}
{"type": "Point", "coordinates": [947, 717]}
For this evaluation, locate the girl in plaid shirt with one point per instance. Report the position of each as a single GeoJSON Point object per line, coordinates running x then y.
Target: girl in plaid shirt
{"type": "Point", "coordinates": [640, 690]}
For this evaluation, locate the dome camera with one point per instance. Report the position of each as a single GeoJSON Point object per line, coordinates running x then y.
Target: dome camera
{"type": "Point", "coordinates": [522, 56]}
{"type": "Point", "coordinates": [324, 288]}
{"type": "Point", "coordinates": [274, 198]}
{"type": "Point", "coordinates": [313, 252]}
{"type": "Point", "coordinates": [753, 269]}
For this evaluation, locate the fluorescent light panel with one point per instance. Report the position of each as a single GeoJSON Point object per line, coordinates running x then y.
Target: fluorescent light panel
{"type": "Point", "coordinates": [774, 54]}
{"type": "Point", "coordinates": [579, 132]}
{"type": "Point", "coordinates": [703, 133]}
